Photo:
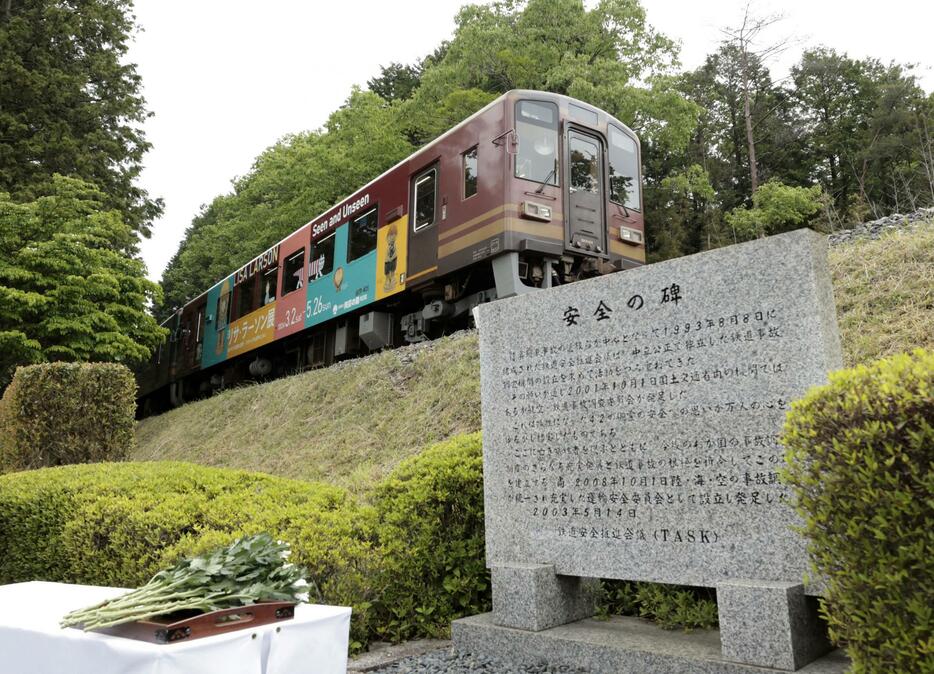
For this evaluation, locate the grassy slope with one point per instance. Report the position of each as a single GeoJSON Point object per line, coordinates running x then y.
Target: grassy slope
{"type": "Point", "coordinates": [347, 425]}
{"type": "Point", "coordinates": [884, 292]}
{"type": "Point", "coordinates": [350, 425]}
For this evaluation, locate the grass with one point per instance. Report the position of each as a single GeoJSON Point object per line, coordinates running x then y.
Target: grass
{"type": "Point", "coordinates": [349, 425]}
{"type": "Point", "coordinates": [884, 290]}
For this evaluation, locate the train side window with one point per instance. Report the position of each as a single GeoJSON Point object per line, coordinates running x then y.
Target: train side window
{"type": "Point", "coordinates": [362, 236]}
{"type": "Point", "coordinates": [246, 302]}
{"type": "Point", "coordinates": [293, 277]}
{"type": "Point", "coordinates": [321, 262]}
{"type": "Point", "coordinates": [470, 172]}
{"type": "Point", "coordinates": [624, 169]}
{"type": "Point", "coordinates": [270, 280]}
{"type": "Point", "coordinates": [223, 310]}
{"type": "Point", "coordinates": [424, 200]}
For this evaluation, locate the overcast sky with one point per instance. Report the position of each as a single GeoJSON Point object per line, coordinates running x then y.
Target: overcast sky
{"type": "Point", "coordinates": [226, 78]}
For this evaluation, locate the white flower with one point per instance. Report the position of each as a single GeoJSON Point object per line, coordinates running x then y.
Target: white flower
{"type": "Point", "coordinates": [285, 553]}
{"type": "Point", "coordinates": [300, 583]}
{"type": "Point", "coordinates": [302, 596]}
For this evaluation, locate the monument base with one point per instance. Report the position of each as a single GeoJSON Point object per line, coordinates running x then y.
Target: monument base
{"type": "Point", "coordinates": [619, 645]}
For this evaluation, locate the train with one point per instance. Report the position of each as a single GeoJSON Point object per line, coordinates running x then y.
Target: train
{"type": "Point", "coordinates": [534, 190]}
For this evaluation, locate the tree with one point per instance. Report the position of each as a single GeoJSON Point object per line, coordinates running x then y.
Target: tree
{"type": "Point", "coordinates": [69, 290]}
{"type": "Point", "coordinates": [608, 56]}
{"type": "Point", "coordinates": [742, 40]}
{"type": "Point", "coordinates": [69, 105]}
{"type": "Point", "coordinates": [776, 208]}
{"type": "Point", "coordinates": [867, 127]}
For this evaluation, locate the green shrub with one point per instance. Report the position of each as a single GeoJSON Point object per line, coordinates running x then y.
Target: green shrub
{"type": "Point", "coordinates": [430, 512]}
{"type": "Point", "coordinates": [669, 606]}
{"type": "Point", "coordinates": [860, 455]}
{"type": "Point", "coordinates": [62, 413]}
{"type": "Point", "coordinates": [117, 524]}
{"type": "Point", "coordinates": [776, 208]}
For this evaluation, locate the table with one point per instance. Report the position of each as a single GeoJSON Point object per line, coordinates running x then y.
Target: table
{"type": "Point", "coordinates": [31, 641]}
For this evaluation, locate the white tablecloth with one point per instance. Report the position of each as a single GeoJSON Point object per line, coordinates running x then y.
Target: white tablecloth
{"type": "Point", "coordinates": [31, 642]}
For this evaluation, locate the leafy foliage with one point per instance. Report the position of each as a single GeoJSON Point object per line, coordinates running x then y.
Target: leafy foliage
{"type": "Point", "coordinates": [430, 513]}
{"type": "Point", "coordinates": [776, 208]}
{"type": "Point", "coordinates": [71, 105]}
{"type": "Point", "coordinates": [668, 606]}
{"type": "Point", "coordinates": [69, 287]}
{"type": "Point", "coordinates": [860, 464]}
{"type": "Point", "coordinates": [63, 413]}
{"type": "Point", "coordinates": [251, 569]}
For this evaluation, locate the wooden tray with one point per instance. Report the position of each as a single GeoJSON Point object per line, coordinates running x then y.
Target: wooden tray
{"type": "Point", "coordinates": [189, 625]}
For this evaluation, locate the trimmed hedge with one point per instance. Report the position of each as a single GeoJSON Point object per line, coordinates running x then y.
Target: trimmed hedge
{"type": "Point", "coordinates": [431, 532]}
{"type": "Point", "coordinates": [861, 464]}
{"type": "Point", "coordinates": [62, 413]}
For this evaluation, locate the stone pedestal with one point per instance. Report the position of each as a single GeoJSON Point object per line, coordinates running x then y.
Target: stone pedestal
{"type": "Point", "coordinates": [532, 597]}
{"type": "Point", "coordinates": [769, 624]}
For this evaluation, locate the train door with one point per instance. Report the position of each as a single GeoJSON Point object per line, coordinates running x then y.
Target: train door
{"type": "Point", "coordinates": [586, 199]}
{"type": "Point", "coordinates": [424, 215]}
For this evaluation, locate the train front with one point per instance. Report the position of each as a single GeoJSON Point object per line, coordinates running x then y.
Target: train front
{"type": "Point", "coordinates": [575, 175]}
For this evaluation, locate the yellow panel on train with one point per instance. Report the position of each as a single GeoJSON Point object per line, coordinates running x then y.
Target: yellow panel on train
{"type": "Point", "coordinates": [390, 257]}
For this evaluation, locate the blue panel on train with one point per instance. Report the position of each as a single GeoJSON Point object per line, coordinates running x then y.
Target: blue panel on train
{"type": "Point", "coordinates": [216, 323]}
{"type": "Point", "coordinates": [335, 286]}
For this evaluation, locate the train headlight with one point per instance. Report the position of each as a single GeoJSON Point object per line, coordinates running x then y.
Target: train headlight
{"type": "Point", "coordinates": [631, 236]}
{"type": "Point", "coordinates": [533, 211]}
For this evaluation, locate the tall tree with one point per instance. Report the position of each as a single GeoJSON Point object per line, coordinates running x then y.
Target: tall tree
{"type": "Point", "coordinates": [608, 56]}
{"type": "Point", "coordinates": [744, 40]}
{"type": "Point", "coordinates": [68, 103]}
{"type": "Point", "coordinates": [69, 290]}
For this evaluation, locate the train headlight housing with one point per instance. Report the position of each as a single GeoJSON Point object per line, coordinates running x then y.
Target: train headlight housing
{"type": "Point", "coordinates": [534, 211]}
{"type": "Point", "coordinates": [630, 236]}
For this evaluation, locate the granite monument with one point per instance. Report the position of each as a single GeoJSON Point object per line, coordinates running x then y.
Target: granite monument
{"type": "Point", "coordinates": [631, 429]}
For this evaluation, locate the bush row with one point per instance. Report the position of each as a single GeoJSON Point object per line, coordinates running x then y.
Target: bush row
{"type": "Point", "coordinates": [61, 413]}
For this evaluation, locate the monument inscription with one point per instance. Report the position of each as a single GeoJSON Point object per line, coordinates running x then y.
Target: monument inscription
{"type": "Point", "coordinates": [631, 422]}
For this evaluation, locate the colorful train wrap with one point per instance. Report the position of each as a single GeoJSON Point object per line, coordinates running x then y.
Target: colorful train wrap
{"type": "Point", "coordinates": [533, 190]}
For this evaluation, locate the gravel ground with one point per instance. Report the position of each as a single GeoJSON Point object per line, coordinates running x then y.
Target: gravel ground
{"type": "Point", "coordinates": [450, 662]}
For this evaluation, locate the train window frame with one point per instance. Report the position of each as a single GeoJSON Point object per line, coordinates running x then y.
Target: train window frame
{"type": "Point", "coordinates": [419, 179]}
{"type": "Point", "coordinates": [332, 237]}
{"type": "Point", "coordinates": [636, 184]}
{"type": "Point", "coordinates": [476, 171]}
{"type": "Point", "coordinates": [265, 298]}
{"type": "Point", "coordinates": [353, 228]}
{"type": "Point", "coordinates": [553, 178]}
{"type": "Point", "coordinates": [251, 285]}
{"type": "Point", "coordinates": [286, 269]}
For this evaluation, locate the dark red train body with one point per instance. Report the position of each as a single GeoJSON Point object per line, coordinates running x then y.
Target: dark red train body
{"type": "Point", "coordinates": [533, 190]}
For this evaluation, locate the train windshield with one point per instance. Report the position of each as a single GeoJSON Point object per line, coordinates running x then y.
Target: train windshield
{"type": "Point", "coordinates": [537, 129]}
{"type": "Point", "coordinates": [624, 169]}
